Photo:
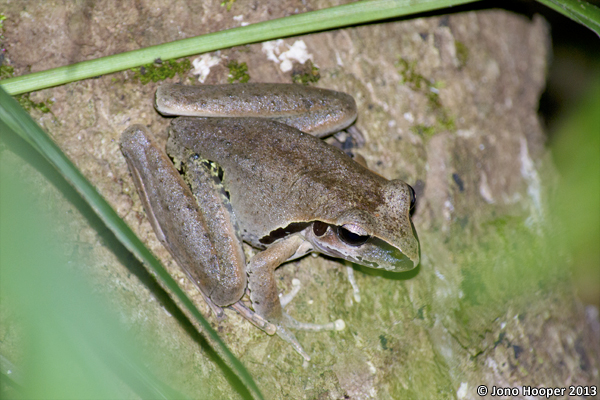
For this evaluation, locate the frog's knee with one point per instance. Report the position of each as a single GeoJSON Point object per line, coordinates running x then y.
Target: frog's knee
{"type": "Point", "coordinates": [228, 292]}
{"type": "Point", "coordinates": [136, 136]}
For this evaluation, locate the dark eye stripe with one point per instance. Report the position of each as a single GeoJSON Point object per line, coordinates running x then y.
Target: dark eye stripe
{"type": "Point", "coordinates": [283, 232]}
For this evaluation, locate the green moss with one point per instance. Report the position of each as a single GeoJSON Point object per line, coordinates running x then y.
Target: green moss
{"type": "Point", "coordinates": [409, 75]}
{"type": "Point", "coordinates": [423, 130]}
{"type": "Point", "coordinates": [161, 70]}
{"type": "Point", "coordinates": [6, 71]}
{"type": "Point", "coordinates": [28, 104]}
{"type": "Point", "coordinates": [429, 88]}
{"type": "Point", "coordinates": [238, 72]}
{"type": "Point", "coordinates": [228, 4]}
{"type": "Point", "coordinates": [462, 53]}
{"type": "Point", "coordinates": [513, 264]}
{"type": "Point", "coordinates": [439, 84]}
{"type": "Point", "coordinates": [307, 73]}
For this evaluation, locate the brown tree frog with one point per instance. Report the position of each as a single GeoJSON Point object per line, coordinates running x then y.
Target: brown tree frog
{"type": "Point", "coordinates": [248, 166]}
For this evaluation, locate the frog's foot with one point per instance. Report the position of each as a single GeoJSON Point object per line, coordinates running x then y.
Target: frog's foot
{"type": "Point", "coordinates": [290, 322]}
{"type": "Point", "coordinates": [357, 136]}
{"type": "Point", "coordinates": [254, 318]}
{"type": "Point", "coordinates": [287, 321]}
{"type": "Point", "coordinates": [348, 139]}
{"type": "Point", "coordinates": [337, 325]}
{"type": "Point", "coordinates": [285, 299]}
{"type": "Point", "coordinates": [288, 336]}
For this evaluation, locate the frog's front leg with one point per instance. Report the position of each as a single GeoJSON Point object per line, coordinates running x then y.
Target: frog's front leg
{"type": "Point", "coordinates": [264, 295]}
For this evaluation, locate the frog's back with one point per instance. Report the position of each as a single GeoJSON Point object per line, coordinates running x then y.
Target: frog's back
{"type": "Point", "coordinates": [275, 174]}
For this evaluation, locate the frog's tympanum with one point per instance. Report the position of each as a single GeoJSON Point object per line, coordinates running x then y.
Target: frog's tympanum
{"type": "Point", "coordinates": [248, 166]}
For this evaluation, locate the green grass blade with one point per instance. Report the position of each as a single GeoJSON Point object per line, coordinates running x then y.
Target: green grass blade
{"type": "Point", "coordinates": [16, 119]}
{"type": "Point", "coordinates": [71, 343]}
{"type": "Point", "coordinates": [579, 11]}
{"type": "Point", "coordinates": [334, 17]}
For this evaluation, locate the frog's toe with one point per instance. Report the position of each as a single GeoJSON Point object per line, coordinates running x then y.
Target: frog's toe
{"type": "Point", "coordinates": [290, 322]}
{"type": "Point", "coordinates": [285, 299]}
{"type": "Point", "coordinates": [289, 337]}
{"type": "Point", "coordinates": [353, 283]}
{"type": "Point", "coordinates": [337, 325]}
{"type": "Point", "coordinates": [254, 318]}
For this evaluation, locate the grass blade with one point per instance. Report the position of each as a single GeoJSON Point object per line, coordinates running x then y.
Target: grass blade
{"type": "Point", "coordinates": [334, 17]}
{"type": "Point", "coordinates": [71, 343]}
{"type": "Point", "coordinates": [16, 119]}
{"type": "Point", "coordinates": [579, 11]}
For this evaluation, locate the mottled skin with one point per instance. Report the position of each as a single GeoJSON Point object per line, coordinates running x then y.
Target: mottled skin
{"type": "Point", "coordinates": [302, 179]}
{"type": "Point", "coordinates": [280, 189]}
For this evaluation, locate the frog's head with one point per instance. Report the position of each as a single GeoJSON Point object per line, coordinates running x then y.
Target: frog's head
{"type": "Point", "coordinates": [380, 236]}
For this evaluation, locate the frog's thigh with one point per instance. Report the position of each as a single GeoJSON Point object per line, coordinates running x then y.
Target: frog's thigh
{"type": "Point", "coordinates": [181, 224]}
{"type": "Point", "coordinates": [212, 200]}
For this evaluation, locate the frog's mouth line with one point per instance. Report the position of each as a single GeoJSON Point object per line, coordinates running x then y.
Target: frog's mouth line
{"type": "Point", "coordinates": [330, 251]}
{"type": "Point", "coordinates": [397, 261]}
{"type": "Point", "coordinates": [356, 260]}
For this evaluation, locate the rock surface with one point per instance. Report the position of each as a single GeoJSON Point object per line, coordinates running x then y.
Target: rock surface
{"type": "Point", "coordinates": [446, 103]}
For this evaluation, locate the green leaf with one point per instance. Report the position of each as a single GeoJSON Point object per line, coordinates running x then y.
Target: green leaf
{"type": "Point", "coordinates": [334, 17]}
{"type": "Point", "coordinates": [580, 11]}
{"type": "Point", "coordinates": [14, 119]}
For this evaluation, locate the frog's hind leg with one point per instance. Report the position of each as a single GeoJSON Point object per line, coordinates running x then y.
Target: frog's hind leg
{"type": "Point", "coordinates": [264, 296]}
{"type": "Point", "coordinates": [200, 235]}
{"type": "Point", "coordinates": [254, 318]}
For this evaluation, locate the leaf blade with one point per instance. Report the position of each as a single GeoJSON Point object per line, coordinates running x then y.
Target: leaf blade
{"type": "Point", "coordinates": [17, 120]}
{"type": "Point", "coordinates": [582, 12]}
{"type": "Point", "coordinates": [334, 17]}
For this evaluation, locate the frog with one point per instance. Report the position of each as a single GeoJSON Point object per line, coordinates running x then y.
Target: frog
{"type": "Point", "coordinates": [246, 163]}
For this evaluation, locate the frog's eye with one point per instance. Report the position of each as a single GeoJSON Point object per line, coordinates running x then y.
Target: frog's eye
{"type": "Point", "coordinates": [412, 196]}
{"type": "Point", "coordinates": [319, 228]}
{"type": "Point", "coordinates": [351, 238]}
